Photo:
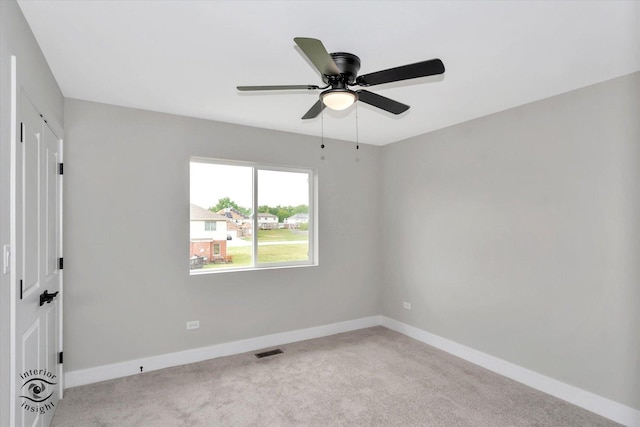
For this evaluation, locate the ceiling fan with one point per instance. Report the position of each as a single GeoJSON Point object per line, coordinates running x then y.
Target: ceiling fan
{"type": "Point", "coordinates": [340, 70]}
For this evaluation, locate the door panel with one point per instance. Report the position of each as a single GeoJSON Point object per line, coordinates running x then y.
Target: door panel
{"type": "Point", "coordinates": [51, 340]}
{"type": "Point", "coordinates": [31, 147]}
{"type": "Point", "coordinates": [31, 340]}
{"type": "Point", "coordinates": [51, 211]}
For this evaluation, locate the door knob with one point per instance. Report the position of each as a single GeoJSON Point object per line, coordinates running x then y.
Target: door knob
{"type": "Point", "coordinates": [46, 297]}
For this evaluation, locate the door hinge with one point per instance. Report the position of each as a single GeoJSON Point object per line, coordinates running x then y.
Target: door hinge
{"type": "Point", "coordinates": [60, 169]}
{"type": "Point", "coordinates": [60, 264]}
{"type": "Point", "coordinates": [60, 358]}
{"type": "Point", "coordinates": [20, 288]}
{"type": "Point", "coordinates": [21, 132]}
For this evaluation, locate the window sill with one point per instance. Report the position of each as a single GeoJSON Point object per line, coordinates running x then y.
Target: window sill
{"type": "Point", "coordinates": [204, 272]}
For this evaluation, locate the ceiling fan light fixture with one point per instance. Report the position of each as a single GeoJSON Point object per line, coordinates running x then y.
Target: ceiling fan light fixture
{"type": "Point", "coordinates": [338, 99]}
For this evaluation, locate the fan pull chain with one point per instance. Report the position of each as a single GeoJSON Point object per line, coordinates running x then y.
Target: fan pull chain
{"type": "Point", "coordinates": [357, 136]}
{"type": "Point", "coordinates": [322, 129]}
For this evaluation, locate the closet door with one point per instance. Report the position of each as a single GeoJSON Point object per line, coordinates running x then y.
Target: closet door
{"type": "Point", "coordinates": [38, 251]}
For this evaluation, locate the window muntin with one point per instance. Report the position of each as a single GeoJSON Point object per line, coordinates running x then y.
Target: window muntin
{"type": "Point", "coordinates": [255, 197]}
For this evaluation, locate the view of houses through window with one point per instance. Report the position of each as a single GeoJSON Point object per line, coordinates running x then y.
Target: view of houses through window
{"type": "Point", "coordinates": [247, 216]}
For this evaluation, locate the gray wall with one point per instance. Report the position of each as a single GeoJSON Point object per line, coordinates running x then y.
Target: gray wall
{"type": "Point", "coordinates": [517, 234]}
{"type": "Point", "coordinates": [36, 79]}
{"type": "Point", "coordinates": [128, 289]}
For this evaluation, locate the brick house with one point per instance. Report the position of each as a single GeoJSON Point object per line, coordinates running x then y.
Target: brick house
{"type": "Point", "coordinates": [208, 235]}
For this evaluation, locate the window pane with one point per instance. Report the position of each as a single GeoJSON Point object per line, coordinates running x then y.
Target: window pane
{"type": "Point", "coordinates": [221, 224]}
{"type": "Point", "coordinates": [283, 216]}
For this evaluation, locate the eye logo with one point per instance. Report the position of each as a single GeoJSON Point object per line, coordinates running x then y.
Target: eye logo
{"type": "Point", "coordinates": [36, 390]}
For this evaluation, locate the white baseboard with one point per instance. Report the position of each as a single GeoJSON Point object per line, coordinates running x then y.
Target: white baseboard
{"type": "Point", "coordinates": [582, 398]}
{"type": "Point", "coordinates": [592, 402]}
{"type": "Point", "coordinates": [132, 367]}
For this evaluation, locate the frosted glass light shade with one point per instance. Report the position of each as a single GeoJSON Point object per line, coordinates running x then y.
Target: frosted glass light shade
{"type": "Point", "coordinates": [339, 99]}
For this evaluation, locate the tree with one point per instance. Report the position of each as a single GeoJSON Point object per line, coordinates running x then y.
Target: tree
{"type": "Point", "coordinates": [226, 202]}
{"type": "Point", "coordinates": [301, 209]}
{"type": "Point", "coordinates": [282, 213]}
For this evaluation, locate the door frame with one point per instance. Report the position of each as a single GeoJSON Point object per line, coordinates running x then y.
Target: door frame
{"type": "Point", "coordinates": [17, 91]}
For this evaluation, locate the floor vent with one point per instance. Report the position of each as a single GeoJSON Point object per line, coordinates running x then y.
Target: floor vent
{"type": "Point", "coordinates": [268, 353]}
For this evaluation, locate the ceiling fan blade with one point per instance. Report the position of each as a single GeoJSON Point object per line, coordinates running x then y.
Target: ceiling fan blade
{"type": "Point", "coordinates": [405, 72]}
{"type": "Point", "coordinates": [381, 102]}
{"type": "Point", "coordinates": [287, 87]}
{"type": "Point", "coordinates": [314, 111]}
{"type": "Point", "coordinates": [317, 54]}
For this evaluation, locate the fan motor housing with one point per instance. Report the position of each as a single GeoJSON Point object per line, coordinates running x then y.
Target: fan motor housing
{"type": "Point", "coordinates": [348, 64]}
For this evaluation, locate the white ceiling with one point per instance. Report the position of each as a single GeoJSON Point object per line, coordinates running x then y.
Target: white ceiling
{"type": "Point", "coordinates": [187, 57]}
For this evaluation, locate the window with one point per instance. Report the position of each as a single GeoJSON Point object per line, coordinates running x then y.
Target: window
{"type": "Point", "coordinates": [253, 202]}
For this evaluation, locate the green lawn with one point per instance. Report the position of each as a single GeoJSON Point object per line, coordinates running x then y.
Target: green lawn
{"type": "Point", "coordinates": [266, 253]}
{"type": "Point", "coordinates": [282, 253]}
{"type": "Point", "coordinates": [284, 235]}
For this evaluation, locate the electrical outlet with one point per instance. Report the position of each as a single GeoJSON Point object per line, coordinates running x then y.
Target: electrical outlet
{"type": "Point", "coordinates": [6, 258]}
{"type": "Point", "coordinates": [406, 305]}
{"type": "Point", "coordinates": [194, 324]}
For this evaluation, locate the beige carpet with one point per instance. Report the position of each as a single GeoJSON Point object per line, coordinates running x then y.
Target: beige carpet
{"type": "Point", "coordinates": [370, 377]}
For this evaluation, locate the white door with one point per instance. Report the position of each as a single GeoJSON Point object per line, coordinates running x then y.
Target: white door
{"type": "Point", "coordinates": [38, 224]}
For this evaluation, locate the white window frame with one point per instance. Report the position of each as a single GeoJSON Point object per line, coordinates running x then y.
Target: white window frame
{"type": "Point", "coordinates": [313, 214]}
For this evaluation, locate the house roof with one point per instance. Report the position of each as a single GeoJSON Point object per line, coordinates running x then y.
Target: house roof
{"type": "Point", "coordinates": [232, 213]}
{"type": "Point", "coordinates": [300, 216]}
{"type": "Point", "coordinates": [202, 214]}
{"type": "Point", "coordinates": [266, 215]}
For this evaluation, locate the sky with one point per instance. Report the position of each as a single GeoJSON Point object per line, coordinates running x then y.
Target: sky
{"type": "Point", "coordinates": [211, 182]}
